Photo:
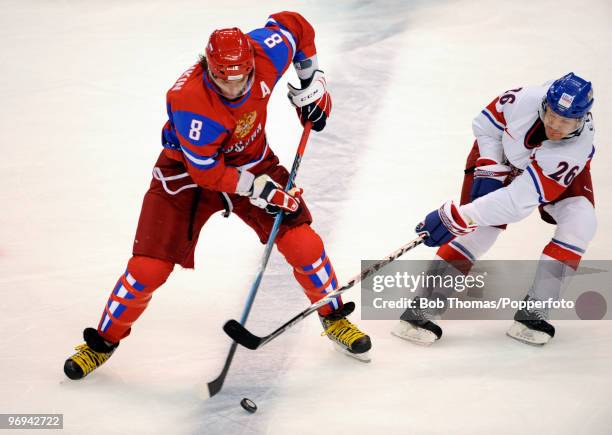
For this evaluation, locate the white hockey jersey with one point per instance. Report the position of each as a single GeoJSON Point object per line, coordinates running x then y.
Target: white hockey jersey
{"type": "Point", "coordinates": [503, 131]}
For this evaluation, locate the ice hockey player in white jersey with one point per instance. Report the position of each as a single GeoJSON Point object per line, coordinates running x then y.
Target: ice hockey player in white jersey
{"type": "Point", "coordinates": [533, 150]}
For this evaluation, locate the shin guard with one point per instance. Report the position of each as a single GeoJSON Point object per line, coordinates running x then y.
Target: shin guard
{"type": "Point", "coordinates": [131, 296]}
{"type": "Point", "coordinates": [304, 251]}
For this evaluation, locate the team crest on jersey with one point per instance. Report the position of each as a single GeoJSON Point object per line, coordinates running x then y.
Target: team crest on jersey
{"type": "Point", "coordinates": [245, 124]}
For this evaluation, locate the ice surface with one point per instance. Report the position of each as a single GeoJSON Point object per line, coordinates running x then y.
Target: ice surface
{"type": "Point", "coordinates": [83, 86]}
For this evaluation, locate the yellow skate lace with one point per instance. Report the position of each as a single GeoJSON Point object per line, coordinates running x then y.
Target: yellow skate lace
{"type": "Point", "coordinates": [89, 359]}
{"type": "Point", "coordinates": [343, 331]}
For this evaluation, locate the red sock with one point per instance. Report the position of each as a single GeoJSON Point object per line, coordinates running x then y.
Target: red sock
{"type": "Point", "coordinates": [564, 252]}
{"type": "Point", "coordinates": [303, 249]}
{"type": "Point", "coordinates": [453, 253]}
{"type": "Point", "coordinates": [131, 296]}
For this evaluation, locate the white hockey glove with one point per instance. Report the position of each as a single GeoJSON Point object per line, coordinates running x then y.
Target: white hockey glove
{"type": "Point", "coordinates": [312, 102]}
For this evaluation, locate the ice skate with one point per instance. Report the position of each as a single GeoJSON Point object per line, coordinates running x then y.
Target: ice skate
{"type": "Point", "coordinates": [89, 356]}
{"type": "Point", "coordinates": [531, 327]}
{"type": "Point", "coordinates": [347, 337]}
{"type": "Point", "coordinates": [415, 326]}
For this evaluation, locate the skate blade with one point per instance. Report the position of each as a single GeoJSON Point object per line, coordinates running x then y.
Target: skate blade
{"type": "Point", "coordinates": [520, 332]}
{"type": "Point", "coordinates": [363, 357]}
{"type": "Point", "coordinates": [416, 335]}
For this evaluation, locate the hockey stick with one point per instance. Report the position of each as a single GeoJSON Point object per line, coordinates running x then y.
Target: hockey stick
{"type": "Point", "coordinates": [215, 385]}
{"type": "Point", "coordinates": [243, 336]}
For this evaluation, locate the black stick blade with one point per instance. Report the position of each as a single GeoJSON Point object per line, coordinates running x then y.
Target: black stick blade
{"type": "Point", "coordinates": [241, 335]}
{"type": "Point", "coordinates": [215, 386]}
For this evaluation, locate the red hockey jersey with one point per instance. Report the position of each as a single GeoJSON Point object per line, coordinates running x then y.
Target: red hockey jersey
{"type": "Point", "coordinates": [217, 138]}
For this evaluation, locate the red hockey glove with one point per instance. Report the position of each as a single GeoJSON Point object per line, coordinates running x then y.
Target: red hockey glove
{"type": "Point", "coordinates": [269, 195]}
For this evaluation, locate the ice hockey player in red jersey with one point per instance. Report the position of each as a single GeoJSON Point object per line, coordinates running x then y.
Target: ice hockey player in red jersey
{"type": "Point", "coordinates": [533, 149]}
{"type": "Point", "coordinates": [216, 158]}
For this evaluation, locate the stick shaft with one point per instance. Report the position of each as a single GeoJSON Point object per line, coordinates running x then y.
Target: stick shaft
{"type": "Point", "coordinates": [215, 385]}
{"type": "Point", "coordinates": [243, 336]}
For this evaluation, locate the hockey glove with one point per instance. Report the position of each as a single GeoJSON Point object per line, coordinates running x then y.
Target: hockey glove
{"type": "Point", "coordinates": [443, 225]}
{"type": "Point", "coordinates": [312, 102]}
{"type": "Point", "coordinates": [269, 195]}
{"type": "Point", "coordinates": [488, 178]}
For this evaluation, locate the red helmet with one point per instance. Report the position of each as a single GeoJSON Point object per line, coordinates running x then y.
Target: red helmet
{"type": "Point", "coordinates": [229, 54]}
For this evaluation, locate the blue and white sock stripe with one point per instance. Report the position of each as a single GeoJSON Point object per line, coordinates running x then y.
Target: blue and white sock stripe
{"type": "Point", "coordinates": [332, 286]}
{"type": "Point", "coordinates": [132, 281]}
{"type": "Point", "coordinates": [491, 118]}
{"type": "Point", "coordinates": [116, 308]}
{"type": "Point", "coordinates": [316, 263]}
{"type": "Point", "coordinates": [572, 248]}
{"type": "Point", "coordinates": [328, 268]}
{"type": "Point", "coordinates": [319, 278]}
{"type": "Point", "coordinates": [333, 304]}
{"type": "Point", "coordinates": [322, 276]}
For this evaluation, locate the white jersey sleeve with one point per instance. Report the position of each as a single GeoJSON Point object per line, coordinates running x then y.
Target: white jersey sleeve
{"type": "Point", "coordinates": [488, 126]}
{"type": "Point", "coordinates": [503, 206]}
{"type": "Point", "coordinates": [552, 169]}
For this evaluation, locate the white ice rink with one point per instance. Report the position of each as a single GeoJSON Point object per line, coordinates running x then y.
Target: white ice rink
{"type": "Point", "coordinates": [83, 85]}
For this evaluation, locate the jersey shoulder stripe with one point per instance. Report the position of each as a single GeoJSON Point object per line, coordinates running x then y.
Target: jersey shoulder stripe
{"type": "Point", "coordinates": [274, 46]}
{"type": "Point", "coordinates": [272, 23]}
{"type": "Point", "coordinates": [496, 117]}
{"type": "Point", "coordinates": [199, 161]}
{"type": "Point", "coordinates": [196, 129]}
{"type": "Point", "coordinates": [592, 153]}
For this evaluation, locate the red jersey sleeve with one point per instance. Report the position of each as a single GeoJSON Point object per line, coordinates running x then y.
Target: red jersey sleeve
{"type": "Point", "coordinates": [300, 29]}
{"type": "Point", "coordinates": [286, 38]}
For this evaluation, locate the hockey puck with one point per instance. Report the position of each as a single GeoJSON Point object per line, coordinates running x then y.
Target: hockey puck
{"type": "Point", "coordinates": [249, 405]}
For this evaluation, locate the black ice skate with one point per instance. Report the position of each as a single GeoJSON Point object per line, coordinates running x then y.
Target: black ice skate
{"type": "Point", "coordinates": [531, 327]}
{"type": "Point", "coordinates": [90, 355]}
{"type": "Point", "coordinates": [347, 337]}
{"type": "Point", "coordinates": [415, 326]}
